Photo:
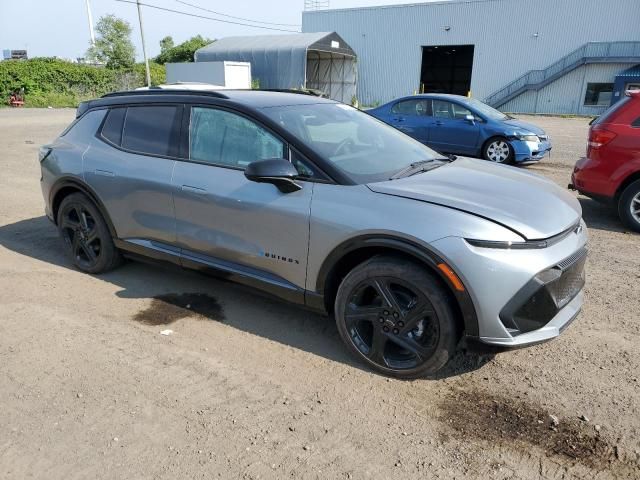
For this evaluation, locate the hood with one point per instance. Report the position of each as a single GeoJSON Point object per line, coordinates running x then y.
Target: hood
{"type": "Point", "coordinates": [531, 205]}
{"type": "Point", "coordinates": [519, 125]}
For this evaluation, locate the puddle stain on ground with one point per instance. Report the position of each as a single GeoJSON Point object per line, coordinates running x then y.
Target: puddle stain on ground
{"type": "Point", "coordinates": [170, 307]}
{"type": "Point", "coordinates": [506, 421]}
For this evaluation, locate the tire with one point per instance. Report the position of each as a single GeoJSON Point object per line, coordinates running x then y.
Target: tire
{"type": "Point", "coordinates": [629, 206]}
{"type": "Point", "coordinates": [85, 235]}
{"type": "Point", "coordinates": [498, 150]}
{"type": "Point", "coordinates": [402, 309]}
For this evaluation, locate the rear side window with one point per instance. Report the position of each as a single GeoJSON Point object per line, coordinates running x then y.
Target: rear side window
{"type": "Point", "coordinates": [636, 123]}
{"type": "Point", "coordinates": [112, 128]}
{"type": "Point", "coordinates": [418, 107]}
{"type": "Point", "coordinates": [153, 130]}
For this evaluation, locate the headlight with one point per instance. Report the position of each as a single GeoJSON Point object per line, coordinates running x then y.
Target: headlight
{"type": "Point", "coordinates": [528, 138]}
{"type": "Point", "coordinates": [533, 244]}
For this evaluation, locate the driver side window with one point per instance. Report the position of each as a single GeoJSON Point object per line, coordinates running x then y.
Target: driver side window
{"type": "Point", "coordinates": [227, 139]}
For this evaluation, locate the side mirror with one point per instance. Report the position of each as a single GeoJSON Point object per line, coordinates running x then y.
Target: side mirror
{"type": "Point", "coordinates": [470, 118]}
{"type": "Point", "coordinates": [278, 171]}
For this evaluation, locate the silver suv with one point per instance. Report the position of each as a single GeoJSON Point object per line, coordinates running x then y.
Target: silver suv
{"type": "Point", "coordinates": [324, 206]}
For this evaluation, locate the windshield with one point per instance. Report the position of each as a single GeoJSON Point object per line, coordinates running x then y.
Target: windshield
{"type": "Point", "coordinates": [485, 110]}
{"type": "Point", "coordinates": [366, 149]}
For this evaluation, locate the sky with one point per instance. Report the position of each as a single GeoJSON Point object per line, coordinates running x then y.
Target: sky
{"type": "Point", "coordinates": [47, 28]}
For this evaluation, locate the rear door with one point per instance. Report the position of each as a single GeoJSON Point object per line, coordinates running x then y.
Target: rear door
{"type": "Point", "coordinates": [412, 117]}
{"type": "Point", "coordinates": [450, 131]}
{"type": "Point", "coordinates": [227, 221]}
{"type": "Point", "coordinates": [130, 169]}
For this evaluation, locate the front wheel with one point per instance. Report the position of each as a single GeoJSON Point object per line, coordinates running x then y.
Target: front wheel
{"type": "Point", "coordinates": [498, 150]}
{"type": "Point", "coordinates": [397, 317]}
{"type": "Point", "coordinates": [629, 206]}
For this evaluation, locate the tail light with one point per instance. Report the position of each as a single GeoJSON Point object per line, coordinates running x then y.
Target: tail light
{"type": "Point", "coordinates": [599, 137]}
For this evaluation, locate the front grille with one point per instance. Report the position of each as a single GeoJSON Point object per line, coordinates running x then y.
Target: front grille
{"type": "Point", "coordinates": [547, 293]}
{"type": "Point", "coordinates": [569, 261]}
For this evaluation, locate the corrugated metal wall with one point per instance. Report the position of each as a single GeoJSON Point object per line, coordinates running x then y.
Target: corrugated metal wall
{"type": "Point", "coordinates": [566, 95]}
{"type": "Point", "coordinates": [388, 40]}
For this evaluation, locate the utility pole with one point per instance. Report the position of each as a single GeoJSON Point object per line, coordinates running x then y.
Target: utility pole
{"type": "Point", "coordinates": [91, 33]}
{"type": "Point", "coordinates": [144, 48]}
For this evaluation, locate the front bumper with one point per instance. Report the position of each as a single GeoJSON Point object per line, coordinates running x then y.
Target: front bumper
{"type": "Point", "coordinates": [530, 151]}
{"type": "Point", "coordinates": [545, 333]}
{"type": "Point", "coordinates": [507, 287]}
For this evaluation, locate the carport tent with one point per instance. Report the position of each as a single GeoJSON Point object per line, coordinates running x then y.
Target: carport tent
{"type": "Point", "coordinates": [321, 61]}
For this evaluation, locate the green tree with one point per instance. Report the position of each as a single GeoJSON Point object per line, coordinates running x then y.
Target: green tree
{"type": "Point", "coordinates": [113, 46]}
{"type": "Point", "coordinates": [166, 44]}
{"type": "Point", "coordinates": [184, 51]}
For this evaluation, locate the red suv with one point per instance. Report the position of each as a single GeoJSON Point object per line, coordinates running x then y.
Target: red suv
{"type": "Point", "coordinates": [611, 170]}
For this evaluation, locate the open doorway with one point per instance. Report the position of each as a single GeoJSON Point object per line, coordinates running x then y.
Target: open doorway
{"type": "Point", "coordinates": [446, 69]}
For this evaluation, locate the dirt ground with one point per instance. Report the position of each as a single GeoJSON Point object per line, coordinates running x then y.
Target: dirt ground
{"type": "Point", "coordinates": [248, 387]}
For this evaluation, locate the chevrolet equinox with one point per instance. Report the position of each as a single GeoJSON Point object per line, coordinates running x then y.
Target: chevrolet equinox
{"type": "Point", "coordinates": [325, 206]}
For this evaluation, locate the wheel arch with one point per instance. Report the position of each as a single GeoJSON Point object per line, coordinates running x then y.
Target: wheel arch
{"type": "Point", "coordinates": [625, 183]}
{"type": "Point", "coordinates": [357, 250]}
{"type": "Point", "coordinates": [68, 185]}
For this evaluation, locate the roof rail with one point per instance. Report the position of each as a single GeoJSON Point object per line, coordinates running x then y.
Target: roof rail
{"type": "Point", "coordinates": [164, 91]}
{"type": "Point", "coordinates": [306, 91]}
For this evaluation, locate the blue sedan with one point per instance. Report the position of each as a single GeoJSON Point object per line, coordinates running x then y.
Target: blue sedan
{"type": "Point", "coordinates": [465, 126]}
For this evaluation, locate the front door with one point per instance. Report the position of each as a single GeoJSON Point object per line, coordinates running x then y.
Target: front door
{"type": "Point", "coordinates": [450, 131]}
{"type": "Point", "coordinates": [225, 220]}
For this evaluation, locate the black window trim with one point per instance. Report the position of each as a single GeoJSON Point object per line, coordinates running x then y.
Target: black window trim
{"type": "Point", "coordinates": [335, 176]}
{"type": "Point", "coordinates": [186, 141]}
{"type": "Point", "coordinates": [636, 123]}
{"type": "Point", "coordinates": [101, 137]}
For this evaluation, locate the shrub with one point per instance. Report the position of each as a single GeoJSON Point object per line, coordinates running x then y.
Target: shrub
{"type": "Point", "coordinates": [66, 84]}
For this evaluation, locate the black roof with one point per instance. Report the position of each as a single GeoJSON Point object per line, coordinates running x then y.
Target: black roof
{"type": "Point", "coordinates": [249, 98]}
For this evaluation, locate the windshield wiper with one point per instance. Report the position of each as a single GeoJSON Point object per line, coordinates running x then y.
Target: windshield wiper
{"type": "Point", "coordinates": [418, 167]}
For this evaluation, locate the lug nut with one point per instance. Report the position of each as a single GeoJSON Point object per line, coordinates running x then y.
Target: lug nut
{"type": "Point", "coordinates": [396, 331]}
{"type": "Point", "coordinates": [395, 315]}
{"type": "Point", "coordinates": [401, 323]}
{"type": "Point", "coordinates": [381, 320]}
{"type": "Point", "coordinates": [386, 329]}
{"type": "Point", "coordinates": [386, 312]}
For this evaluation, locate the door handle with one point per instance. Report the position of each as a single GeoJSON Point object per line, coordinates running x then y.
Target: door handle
{"type": "Point", "coordinates": [104, 173]}
{"type": "Point", "coordinates": [398, 119]}
{"type": "Point", "coordinates": [438, 123]}
{"type": "Point", "coordinates": [191, 189]}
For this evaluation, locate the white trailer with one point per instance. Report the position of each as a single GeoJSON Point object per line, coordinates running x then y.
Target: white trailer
{"type": "Point", "coordinates": [224, 73]}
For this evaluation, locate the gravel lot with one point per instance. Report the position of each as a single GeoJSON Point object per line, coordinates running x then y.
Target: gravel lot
{"type": "Point", "coordinates": [248, 387]}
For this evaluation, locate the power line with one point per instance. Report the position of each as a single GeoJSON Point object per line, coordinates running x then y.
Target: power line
{"type": "Point", "coordinates": [207, 18]}
{"type": "Point", "coordinates": [237, 18]}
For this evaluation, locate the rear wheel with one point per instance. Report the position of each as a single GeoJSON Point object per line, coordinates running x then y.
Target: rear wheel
{"type": "Point", "coordinates": [397, 317]}
{"type": "Point", "coordinates": [85, 234]}
{"type": "Point", "coordinates": [629, 206]}
{"type": "Point", "coordinates": [498, 150]}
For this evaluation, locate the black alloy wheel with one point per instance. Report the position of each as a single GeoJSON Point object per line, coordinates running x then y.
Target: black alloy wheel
{"type": "Point", "coordinates": [85, 235]}
{"type": "Point", "coordinates": [397, 317]}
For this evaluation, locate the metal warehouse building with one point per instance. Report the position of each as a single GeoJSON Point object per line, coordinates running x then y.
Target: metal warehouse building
{"type": "Point", "coordinates": [526, 56]}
